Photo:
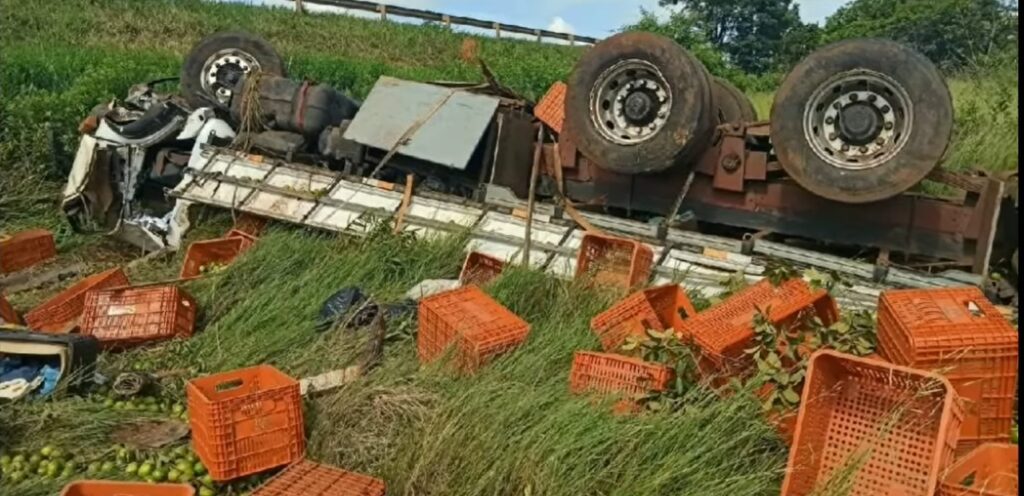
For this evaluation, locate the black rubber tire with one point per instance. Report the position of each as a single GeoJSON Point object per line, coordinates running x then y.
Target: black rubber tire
{"type": "Point", "coordinates": [191, 70]}
{"type": "Point", "coordinates": [921, 153]}
{"type": "Point", "coordinates": [691, 119]}
{"type": "Point", "coordinates": [731, 103]}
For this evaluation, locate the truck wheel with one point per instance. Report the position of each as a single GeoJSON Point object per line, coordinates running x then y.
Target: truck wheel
{"type": "Point", "coordinates": [218, 62]}
{"type": "Point", "coordinates": [733, 105]}
{"type": "Point", "coordinates": [638, 102]}
{"type": "Point", "coordinates": [861, 120]}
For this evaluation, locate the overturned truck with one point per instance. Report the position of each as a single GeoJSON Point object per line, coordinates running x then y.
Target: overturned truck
{"type": "Point", "coordinates": [641, 142]}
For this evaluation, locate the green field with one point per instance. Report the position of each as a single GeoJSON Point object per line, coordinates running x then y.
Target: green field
{"type": "Point", "coordinates": [511, 429]}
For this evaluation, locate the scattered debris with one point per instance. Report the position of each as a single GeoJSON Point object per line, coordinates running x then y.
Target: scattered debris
{"type": "Point", "coordinates": [430, 287]}
{"type": "Point", "coordinates": [348, 306]}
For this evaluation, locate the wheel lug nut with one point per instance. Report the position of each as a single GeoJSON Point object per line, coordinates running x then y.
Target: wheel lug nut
{"type": "Point", "coordinates": [829, 120]}
{"type": "Point", "coordinates": [853, 97]}
{"type": "Point", "coordinates": [886, 109]}
{"type": "Point", "coordinates": [880, 141]}
{"type": "Point", "coordinates": [872, 98]}
{"type": "Point", "coordinates": [863, 149]}
{"type": "Point", "coordinates": [845, 147]}
{"type": "Point", "coordinates": [832, 136]}
{"type": "Point", "coordinates": [836, 105]}
{"type": "Point", "coordinates": [888, 126]}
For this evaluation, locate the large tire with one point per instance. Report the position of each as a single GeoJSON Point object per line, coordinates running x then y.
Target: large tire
{"type": "Point", "coordinates": [732, 104]}
{"type": "Point", "coordinates": [892, 116]}
{"type": "Point", "coordinates": [236, 52]}
{"type": "Point", "coordinates": [680, 134]}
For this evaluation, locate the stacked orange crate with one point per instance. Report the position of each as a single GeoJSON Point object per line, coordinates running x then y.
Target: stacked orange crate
{"type": "Point", "coordinates": [990, 470]}
{"type": "Point", "coordinates": [960, 334]}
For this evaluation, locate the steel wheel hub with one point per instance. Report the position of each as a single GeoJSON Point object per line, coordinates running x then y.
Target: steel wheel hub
{"type": "Point", "coordinates": [630, 102]}
{"type": "Point", "coordinates": [224, 69]}
{"type": "Point", "coordinates": [858, 120]}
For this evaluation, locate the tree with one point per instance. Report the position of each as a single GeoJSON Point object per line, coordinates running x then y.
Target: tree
{"type": "Point", "coordinates": [751, 33]}
{"type": "Point", "coordinates": [950, 32]}
{"type": "Point", "coordinates": [685, 30]}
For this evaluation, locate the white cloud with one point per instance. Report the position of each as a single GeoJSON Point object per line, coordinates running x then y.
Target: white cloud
{"type": "Point", "coordinates": [560, 25]}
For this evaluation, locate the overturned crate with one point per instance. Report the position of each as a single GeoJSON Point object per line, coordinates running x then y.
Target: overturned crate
{"type": "Point", "coordinates": [871, 428]}
{"type": "Point", "coordinates": [309, 478]}
{"type": "Point", "coordinates": [203, 257]}
{"type": "Point", "coordinates": [658, 308]}
{"type": "Point", "coordinates": [610, 373]}
{"type": "Point", "coordinates": [480, 269]}
{"type": "Point", "coordinates": [469, 320]}
{"type": "Point", "coordinates": [126, 317]}
{"type": "Point", "coordinates": [117, 488]}
{"type": "Point", "coordinates": [251, 225]}
{"type": "Point", "coordinates": [61, 313]}
{"type": "Point", "coordinates": [7, 313]}
{"type": "Point", "coordinates": [989, 470]}
{"type": "Point", "coordinates": [612, 261]}
{"type": "Point", "coordinates": [958, 333]}
{"type": "Point", "coordinates": [25, 249]}
{"type": "Point", "coordinates": [246, 421]}
{"type": "Point", "coordinates": [725, 330]}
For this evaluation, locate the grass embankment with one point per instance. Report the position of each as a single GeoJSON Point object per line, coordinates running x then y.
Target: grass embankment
{"type": "Point", "coordinates": [511, 429]}
{"type": "Point", "coordinates": [59, 59]}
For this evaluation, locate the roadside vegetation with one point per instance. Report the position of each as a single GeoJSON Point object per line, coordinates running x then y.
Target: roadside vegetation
{"type": "Point", "coordinates": [511, 429]}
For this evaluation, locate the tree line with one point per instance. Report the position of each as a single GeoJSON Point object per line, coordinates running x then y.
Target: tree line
{"type": "Point", "coordinates": [753, 41]}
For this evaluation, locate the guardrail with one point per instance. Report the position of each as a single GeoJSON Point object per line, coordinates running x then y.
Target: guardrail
{"type": "Point", "coordinates": [446, 19]}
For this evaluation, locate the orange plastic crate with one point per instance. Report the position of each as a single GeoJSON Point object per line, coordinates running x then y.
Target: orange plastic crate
{"type": "Point", "coordinates": [989, 470]}
{"type": "Point", "coordinates": [247, 239]}
{"type": "Point", "coordinates": [960, 334]}
{"type": "Point", "coordinates": [114, 488]}
{"type": "Point", "coordinates": [658, 308]}
{"type": "Point", "coordinates": [249, 224]}
{"type": "Point", "coordinates": [246, 421]}
{"type": "Point", "coordinates": [899, 423]}
{"type": "Point", "coordinates": [221, 251]}
{"type": "Point", "coordinates": [308, 478]}
{"type": "Point", "coordinates": [480, 269]}
{"type": "Point", "coordinates": [131, 316]}
{"type": "Point", "coordinates": [479, 327]}
{"type": "Point", "coordinates": [726, 329]}
{"type": "Point", "coordinates": [551, 108]}
{"type": "Point", "coordinates": [61, 313]}
{"type": "Point", "coordinates": [614, 261]}
{"type": "Point", "coordinates": [611, 373]}
{"type": "Point", "coordinates": [7, 313]}
{"type": "Point", "coordinates": [24, 249]}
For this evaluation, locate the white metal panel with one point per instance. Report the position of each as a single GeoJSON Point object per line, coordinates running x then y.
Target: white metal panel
{"type": "Point", "coordinates": [448, 214]}
{"type": "Point", "coordinates": [504, 224]}
{"type": "Point", "coordinates": [450, 121]}
{"type": "Point", "coordinates": [353, 195]}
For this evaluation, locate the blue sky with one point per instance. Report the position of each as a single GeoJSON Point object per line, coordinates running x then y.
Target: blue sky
{"type": "Point", "coordinates": [597, 18]}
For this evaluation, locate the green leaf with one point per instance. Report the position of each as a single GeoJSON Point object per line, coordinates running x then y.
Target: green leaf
{"type": "Point", "coordinates": [774, 360]}
{"type": "Point", "coordinates": [781, 377]}
{"type": "Point", "coordinates": [790, 396]}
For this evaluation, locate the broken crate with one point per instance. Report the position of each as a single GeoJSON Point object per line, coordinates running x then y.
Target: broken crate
{"type": "Point", "coordinates": [612, 261]}
{"type": "Point", "coordinates": [892, 429]}
{"type": "Point", "coordinates": [308, 478]}
{"type": "Point", "coordinates": [25, 249]}
{"type": "Point", "coordinates": [61, 313]}
{"type": "Point", "coordinates": [960, 334]}
{"type": "Point", "coordinates": [480, 269]}
{"type": "Point", "coordinates": [658, 308]}
{"type": "Point", "coordinates": [469, 320]}
{"type": "Point", "coordinates": [725, 330]}
{"type": "Point", "coordinates": [203, 256]}
{"type": "Point", "coordinates": [246, 421]}
{"type": "Point", "coordinates": [127, 317]}
{"type": "Point", "coordinates": [989, 470]}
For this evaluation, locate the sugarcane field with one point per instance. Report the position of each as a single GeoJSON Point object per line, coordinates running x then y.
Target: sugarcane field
{"type": "Point", "coordinates": [347, 248]}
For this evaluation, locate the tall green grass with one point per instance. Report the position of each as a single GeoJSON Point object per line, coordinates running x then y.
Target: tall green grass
{"type": "Point", "coordinates": [513, 428]}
